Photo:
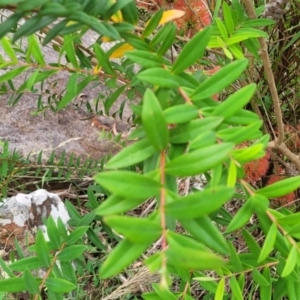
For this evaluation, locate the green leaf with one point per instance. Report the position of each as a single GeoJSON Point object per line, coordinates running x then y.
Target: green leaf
{"type": "Point", "coordinates": [290, 262]}
{"type": "Point", "coordinates": [117, 261]}
{"type": "Point", "coordinates": [242, 217]}
{"type": "Point", "coordinates": [8, 49]}
{"type": "Point", "coordinates": [111, 99]}
{"type": "Point", "coordinates": [228, 18]}
{"type": "Point", "coordinates": [35, 50]}
{"type": "Point", "coordinates": [235, 288]}
{"type": "Point", "coordinates": [159, 77]}
{"type": "Point", "coordinates": [12, 74]}
{"type": "Point", "coordinates": [261, 22]}
{"type": "Point", "coordinates": [71, 91]}
{"type": "Point", "coordinates": [134, 229]}
{"type": "Point", "coordinates": [206, 232]}
{"type": "Point", "coordinates": [76, 235]}
{"type": "Point", "coordinates": [31, 283]}
{"type": "Point", "coordinates": [189, 254]}
{"type": "Point", "coordinates": [222, 29]}
{"type": "Point", "coordinates": [246, 154]}
{"type": "Point", "coordinates": [71, 252]}
{"type": "Point", "coordinates": [192, 51]}
{"type": "Point", "coordinates": [251, 243]}
{"type": "Point", "coordinates": [116, 205]}
{"type": "Point", "coordinates": [53, 233]}
{"type": "Point", "coordinates": [181, 113]}
{"type": "Point", "coordinates": [184, 133]}
{"type": "Point", "coordinates": [204, 139]}
{"type": "Point", "coordinates": [128, 184]}
{"type": "Point", "coordinates": [268, 244]}
{"type": "Point", "coordinates": [218, 81]}
{"type": "Point", "coordinates": [12, 285]}
{"type": "Point", "coordinates": [235, 102]}
{"type": "Point", "coordinates": [232, 174]}
{"type": "Point", "coordinates": [154, 122]}
{"type": "Point", "coordinates": [259, 278]}
{"type": "Point", "coordinates": [130, 13]}
{"type": "Point", "coordinates": [29, 263]}
{"type": "Point", "coordinates": [146, 59]}
{"type": "Point", "coordinates": [42, 250]}
{"type": "Point", "coordinates": [240, 134]}
{"type": "Point", "coordinates": [58, 285]}
{"type": "Point", "coordinates": [103, 60]}
{"type": "Point", "coordinates": [220, 290]}
{"type": "Point", "coordinates": [11, 21]}
{"type": "Point", "coordinates": [152, 23]}
{"type": "Point", "coordinates": [199, 161]}
{"type": "Point", "coordinates": [280, 188]}
{"type": "Point", "coordinates": [196, 205]}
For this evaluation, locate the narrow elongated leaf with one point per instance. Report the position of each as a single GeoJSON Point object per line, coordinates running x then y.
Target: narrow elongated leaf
{"type": "Point", "coordinates": [152, 23]}
{"type": "Point", "coordinates": [12, 74]}
{"type": "Point", "coordinates": [146, 59]}
{"type": "Point", "coordinates": [259, 278]}
{"type": "Point", "coordinates": [242, 217]}
{"type": "Point", "coordinates": [31, 283]}
{"type": "Point", "coordinates": [192, 51]}
{"type": "Point", "coordinates": [34, 48]}
{"type": "Point", "coordinates": [42, 250]}
{"type": "Point", "coordinates": [235, 102]}
{"type": "Point", "coordinates": [251, 243]}
{"type": "Point", "coordinates": [269, 243]}
{"type": "Point", "coordinates": [189, 254]}
{"type": "Point", "coordinates": [197, 204]}
{"type": "Point", "coordinates": [30, 263]}
{"type": "Point", "coordinates": [53, 233]}
{"type": "Point", "coordinates": [154, 122]}
{"type": "Point", "coordinates": [204, 139]}
{"type": "Point", "coordinates": [187, 132]}
{"type": "Point", "coordinates": [58, 285]}
{"type": "Point", "coordinates": [221, 79]}
{"type": "Point", "coordinates": [134, 229]}
{"type": "Point", "coordinates": [128, 184]}
{"type": "Point", "coordinates": [71, 252]}
{"type": "Point", "coordinates": [71, 91]}
{"type": "Point", "coordinates": [76, 235]}
{"type": "Point", "coordinates": [180, 113]}
{"type": "Point", "coordinates": [199, 161]}
{"type": "Point", "coordinates": [7, 47]}
{"type": "Point", "coordinates": [159, 77]}
{"type": "Point", "coordinates": [133, 251]}
{"type": "Point", "coordinates": [103, 60]}
{"type": "Point", "coordinates": [290, 262]}
{"type": "Point", "coordinates": [280, 188]}
{"type": "Point", "coordinates": [220, 290]}
{"type": "Point", "coordinates": [235, 288]}
{"type": "Point", "coordinates": [116, 205]}
{"type": "Point", "coordinates": [207, 233]}
{"type": "Point", "coordinates": [12, 285]}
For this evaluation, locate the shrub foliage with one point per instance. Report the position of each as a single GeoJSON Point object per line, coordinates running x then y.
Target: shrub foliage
{"type": "Point", "coordinates": [180, 132]}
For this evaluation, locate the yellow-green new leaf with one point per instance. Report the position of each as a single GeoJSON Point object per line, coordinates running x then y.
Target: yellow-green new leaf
{"type": "Point", "coordinates": [280, 188]}
{"type": "Point", "coordinates": [154, 122]}
{"type": "Point", "coordinates": [220, 290]}
{"type": "Point", "coordinates": [290, 262]}
{"type": "Point", "coordinates": [268, 244]}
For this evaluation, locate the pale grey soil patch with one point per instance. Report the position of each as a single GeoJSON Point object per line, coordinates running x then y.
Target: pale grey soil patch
{"type": "Point", "coordinates": [68, 130]}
